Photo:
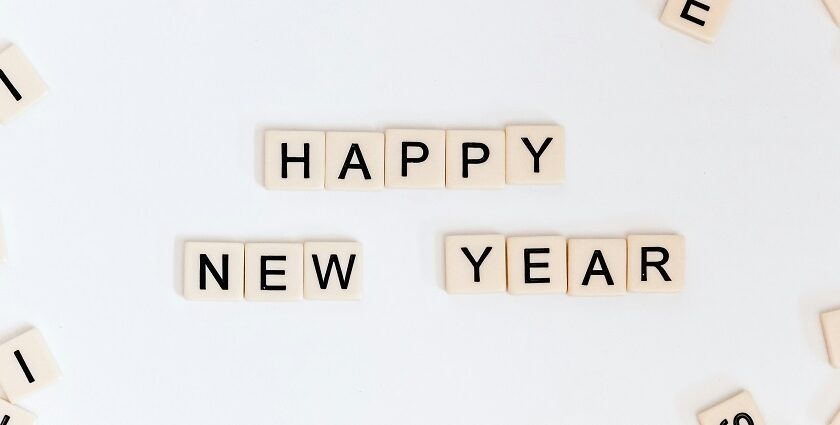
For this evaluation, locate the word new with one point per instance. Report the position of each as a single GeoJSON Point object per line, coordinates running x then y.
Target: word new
{"type": "Point", "coordinates": [222, 271]}
{"type": "Point", "coordinates": [552, 264]}
{"type": "Point", "coordinates": [460, 159]}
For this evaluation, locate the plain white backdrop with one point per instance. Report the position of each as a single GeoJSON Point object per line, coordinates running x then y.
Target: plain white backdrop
{"type": "Point", "coordinates": [151, 135]}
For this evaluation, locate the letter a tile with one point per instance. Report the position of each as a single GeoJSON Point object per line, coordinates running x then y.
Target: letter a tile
{"type": "Point", "coordinates": [597, 267]}
{"type": "Point", "coordinates": [355, 161]}
{"type": "Point", "coordinates": [26, 365]}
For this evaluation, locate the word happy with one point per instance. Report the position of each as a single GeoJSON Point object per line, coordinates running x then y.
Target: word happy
{"type": "Point", "coordinates": [419, 159]}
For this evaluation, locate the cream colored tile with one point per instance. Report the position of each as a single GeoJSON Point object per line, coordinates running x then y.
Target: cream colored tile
{"type": "Point", "coordinates": [273, 271]}
{"type": "Point", "coordinates": [536, 154]}
{"type": "Point", "coordinates": [294, 160]}
{"type": "Point", "coordinates": [214, 271]}
{"type": "Point", "coordinates": [475, 159]}
{"type": "Point", "coordinates": [597, 267]}
{"type": "Point", "coordinates": [26, 365]}
{"type": "Point", "coordinates": [655, 263]}
{"type": "Point", "coordinates": [701, 19]}
{"type": "Point", "coordinates": [834, 8]}
{"type": "Point", "coordinates": [475, 264]}
{"type": "Point", "coordinates": [536, 264]}
{"type": "Point", "coordinates": [355, 161]}
{"type": "Point", "coordinates": [415, 159]}
{"type": "Point", "coordinates": [13, 415]}
{"type": "Point", "coordinates": [738, 410]}
{"type": "Point", "coordinates": [332, 270]}
{"type": "Point", "coordinates": [20, 84]}
{"type": "Point", "coordinates": [2, 244]}
{"type": "Point", "coordinates": [831, 329]}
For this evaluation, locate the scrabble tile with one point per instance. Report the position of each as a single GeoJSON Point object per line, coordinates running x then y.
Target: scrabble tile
{"type": "Point", "coordinates": [415, 159]}
{"type": "Point", "coordinates": [536, 154]}
{"type": "Point", "coordinates": [475, 159]}
{"type": "Point", "coordinates": [834, 8]}
{"type": "Point", "coordinates": [273, 271]}
{"type": "Point", "coordinates": [700, 19]}
{"type": "Point", "coordinates": [475, 264]}
{"type": "Point", "coordinates": [214, 271]}
{"type": "Point", "coordinates": [2, 245]}
{"type": "Point", "coordinates": [738, 410]}
{"type": "Point", "coordinates": [332, 270]}
{"type": "Point", "coordinates": [20, 84]}
{"type": "Point", "coordinates": [831, 329]}
{"type": "Point", "coordinates": [536, 264]}
{"type": "Point", "coordinates": [294, 160]}
{"type": "Point", "coordinates": [597, 267]}
{"type": "Point", "coordinates": [836, 420]}
{"type": "Point", "coordinates": [655, 263]}
{"type": "Point", "coordinates": [26, 365]}
{"type": "Point", "coordinates": [355, 161]}
{"type": "Point", "coordinates": [13, 415]}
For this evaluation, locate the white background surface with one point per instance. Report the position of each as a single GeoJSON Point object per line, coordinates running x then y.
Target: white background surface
{"type": "Point", "coordinates": [151, 135]}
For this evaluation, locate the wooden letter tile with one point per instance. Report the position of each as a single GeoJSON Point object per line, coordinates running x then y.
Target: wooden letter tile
{"type": "Point", "coordinates": [20, 84]}
{"type": "Point", "coordinates": [214, 271]}
{"type": "Point", "coordinates": [655, 263]}
{"type": "Point", "coordinates": [536, 264]}
{"type": "Point", "coordinates": [475, 159]}
{"type": "Point", "coordinates": [13, 415]}
{"type": "Point", "coordinates": [834, 8]}
{"type": "Point", "coordinates": [738, 410]}
{"type": "Point", "coordinates": [355, 161]}
{"type": "Point", "coordinates": [273, 271]}
{"type": "Point", "coordinates": [535, 154]}
{"type": "Point", "coordinates": [475, 264]}
{"type": "Point", "coordinates": [831, 330]}
{"type": "Point", "coordinates": [597, 267]}
{"type": "Point", "coordinates": [700, 19]}
{"type": "Point", "coordinates": [332, 270]}
{"type": "Point", "coordinates": [415, 159]}
{"type": "Point", "coordinates": [294, 159]}
{"type": "Point", "coordinates": [26, 365]}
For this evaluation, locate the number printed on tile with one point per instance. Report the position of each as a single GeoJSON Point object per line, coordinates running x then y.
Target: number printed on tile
{"type": "Point", "coordinates": [740, 419]}
{"type": "Point", "coordinates": [738, 410]}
